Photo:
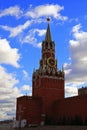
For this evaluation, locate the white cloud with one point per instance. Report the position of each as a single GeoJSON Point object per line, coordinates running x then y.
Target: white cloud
{"type": "Point", "coordinates": [8, 55]}
{"type": "Point", "coordinates": [74, 43]}
{"type": "Point", "coordinates": [76, 28]}
{"type": "Point", "coordinates": [25, 75]}
{"type": "Point", "coordinates": [71, 90]}
{"type": "Point", "coordinates": [47, 10]}
{"type": "Point", "coordinates": [74, 20]}
{"type": "Point", "coordinates": [40, 32]}
{"type": "Point", "coordinates": [37, 15]}
{"type": "Point", "coordinates": [31, 38]}
{"type": "Point", "coordinates": [12, 11]}
{"type": "Point", "coordinates": [8, 94]}
{"type": "Point", "coordinates": [38, 45]}
{"type": "Point", "coordinates": [78, 49]}
{"type": "Point", "coordinates": [15, 31]}
{"type": "Point", "coordinates": [26, 87]}
{"type": "Point", "coordinates": [76, 71]}
{"type": "Point", "coordinates": [37, 12]}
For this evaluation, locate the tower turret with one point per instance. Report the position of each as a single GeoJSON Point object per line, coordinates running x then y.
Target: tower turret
{"type": "Point", "coordinates": [48, 63]}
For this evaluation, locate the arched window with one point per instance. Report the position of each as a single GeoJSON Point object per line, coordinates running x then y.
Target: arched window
{"type": "Point", "coordinates": [46, 45]}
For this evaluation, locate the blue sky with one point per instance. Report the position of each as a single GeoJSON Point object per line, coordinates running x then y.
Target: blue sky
{"type": "Point", "coordinates": [22, 29]}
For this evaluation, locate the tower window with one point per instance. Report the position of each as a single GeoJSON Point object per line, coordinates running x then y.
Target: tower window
{"type": "Point", "coordinates": [51, 45]}
{"type": "Point", "coordinates": [46, 46]}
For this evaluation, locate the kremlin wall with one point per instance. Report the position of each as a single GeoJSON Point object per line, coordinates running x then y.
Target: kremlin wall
{"type": "Point", "coordinates": [48, 105]}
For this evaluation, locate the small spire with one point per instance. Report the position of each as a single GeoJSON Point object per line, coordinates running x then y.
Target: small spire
{"type": "Point", "coordinates": [48, 34]}
{"type": "Point", "coordinates": [63, 68]}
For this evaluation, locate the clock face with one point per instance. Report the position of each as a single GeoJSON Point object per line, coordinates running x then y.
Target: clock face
{"type": "Point", "coordinates": [51, 62]}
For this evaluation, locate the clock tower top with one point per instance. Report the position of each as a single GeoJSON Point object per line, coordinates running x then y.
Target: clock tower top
{"type": "Point", "coordinates": [48, 62]}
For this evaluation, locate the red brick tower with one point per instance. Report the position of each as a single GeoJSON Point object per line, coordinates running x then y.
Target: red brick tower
{"type": "Point", "coordinates": [48, 81]}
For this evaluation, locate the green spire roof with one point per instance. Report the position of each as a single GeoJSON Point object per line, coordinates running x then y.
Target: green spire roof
{"type": "Point", "coordinates": [48, 34]}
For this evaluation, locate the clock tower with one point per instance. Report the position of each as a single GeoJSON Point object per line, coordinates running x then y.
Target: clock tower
{"type": "Point", "coordinates": [48, 80]}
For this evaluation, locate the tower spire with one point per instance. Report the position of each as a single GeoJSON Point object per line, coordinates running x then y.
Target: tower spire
{"type": "Point", "coordinates": [48, 34]}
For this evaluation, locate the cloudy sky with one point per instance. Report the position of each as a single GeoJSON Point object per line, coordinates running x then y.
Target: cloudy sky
{"type": "Point", "coordinates": [22, 29]}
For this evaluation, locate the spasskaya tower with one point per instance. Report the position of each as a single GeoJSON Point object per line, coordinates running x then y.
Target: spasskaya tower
{"type": "Point", "coordinates": [47, 104]}
{"type": "Point", "coordinates": [48, 80]}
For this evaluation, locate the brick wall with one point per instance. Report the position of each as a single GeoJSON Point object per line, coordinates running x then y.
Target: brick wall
{"type": "Point", "coordinates": [71, 107]}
